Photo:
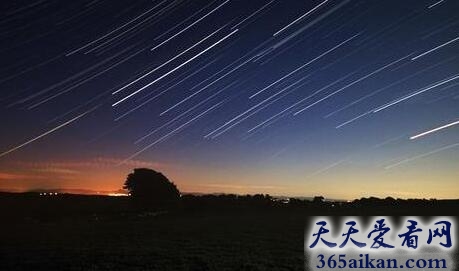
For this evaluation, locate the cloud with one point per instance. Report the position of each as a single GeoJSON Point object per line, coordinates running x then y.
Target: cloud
{"type": "Point", "coordinates": [98, 173]}
{"type": "Point", "coordinates": [131, 163]}
{"type": "Point", "coordinates": [7, 176]}
{"type": "Point", "coordinates": [76, 166]}
{"type": "Point", "coordinates": [55, 170]}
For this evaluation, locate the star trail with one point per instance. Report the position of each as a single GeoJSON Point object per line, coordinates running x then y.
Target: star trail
{"type": "Point", "coordinates": [209, 90]}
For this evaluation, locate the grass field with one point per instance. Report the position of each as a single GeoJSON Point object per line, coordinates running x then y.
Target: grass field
{"type": "Point", "coordinates": [209, 240]}
{"type": "Point", "coordinates": [103, 233]}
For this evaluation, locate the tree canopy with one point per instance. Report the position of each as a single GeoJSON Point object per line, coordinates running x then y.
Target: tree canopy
{"type": "Point", "coordinates": [151, 186]}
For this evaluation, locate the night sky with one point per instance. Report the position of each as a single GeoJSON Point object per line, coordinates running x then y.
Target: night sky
{"type": "Point", "coordinates": [339, 98]}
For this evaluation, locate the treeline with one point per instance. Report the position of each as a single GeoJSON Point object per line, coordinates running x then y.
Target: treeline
{"type": "Point", "coordinates": [31, 204]}
{"type": "Point", "coordinates": [319, 206]}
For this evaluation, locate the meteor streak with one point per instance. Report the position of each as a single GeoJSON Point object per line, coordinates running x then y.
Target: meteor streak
{"type": "Point", "coordinates": [353, 119]}
{"type": "Point", "coordinates": [189, 26]}
{"type": "Point", "coordinates": [435, 130]}
{"type": "Point", "coordinates": [349, 85]}
{"type": "Point", "coordinates": [442, 82]}
{"type": "Point", "coordinates": [185, 20]}
{"type": "Point", "coordinates": [312, 23]}
{"type": "Point", "coordinates": [132, 28]}
{"type": "Point", "coordinates": [207, 86]}
{"type": "Point", "coordinates": [437, 3]}
{"type": "Point", "coordinates": [435, 49]}
{"type": "Point", "coordinates": [173, 70]}
{"type": "Point", "coordinates": [251, 111]}
{"type": "Point", "coordinates": [172, 132]}
{"type": "Point", "coordinates": [111, 32]}
{"type": "Point", "coordinates": [327, 168]}
{"type": "Point", "coordinates": [167, 62]}
{"type": "Point", "coordinates": [280, 113]}
{"type": "Point", "coordinates": [73, 77]}
{"type": "Point", "coordinates": [388, 87]}
{"type": "Point", "coordinates": [47, 133]}
{"type": "Point", "coordinates": [300, 101]}
{"type": "Point", "coordinates": [300, 18]}
{"type": "Point", "coordinates": [253, 14]}
{"type": "Point", "coordinates": [163, 91]}
{"type": "Point", "coordinates": [184, 113]}
{"type": "Point", "coordinates": [422, 155]}
{"type": "Point", "coordinates": [304, 65]}
{"type": "Point", "coordinates": [84, 80]}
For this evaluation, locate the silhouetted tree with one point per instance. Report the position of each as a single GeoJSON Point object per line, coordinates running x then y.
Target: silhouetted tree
{"type": "Point", "coordinates": [318, 199]}
{"type": "Point", "coordinates": [151, 188]}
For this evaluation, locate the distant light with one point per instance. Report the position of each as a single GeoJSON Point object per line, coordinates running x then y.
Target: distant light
{"type": "Point", "coordinates": [117, 195]}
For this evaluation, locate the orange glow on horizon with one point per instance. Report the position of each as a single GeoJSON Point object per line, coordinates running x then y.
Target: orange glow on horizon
{"type": "Point", "coordinates": [101, 176]}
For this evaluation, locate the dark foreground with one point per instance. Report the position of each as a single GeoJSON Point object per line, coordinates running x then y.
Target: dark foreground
{"type": "Point", "coordinates": [104, 233]}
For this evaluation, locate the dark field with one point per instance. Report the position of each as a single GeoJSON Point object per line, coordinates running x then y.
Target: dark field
{"type": "Point", "coordinates": [105, 233]}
